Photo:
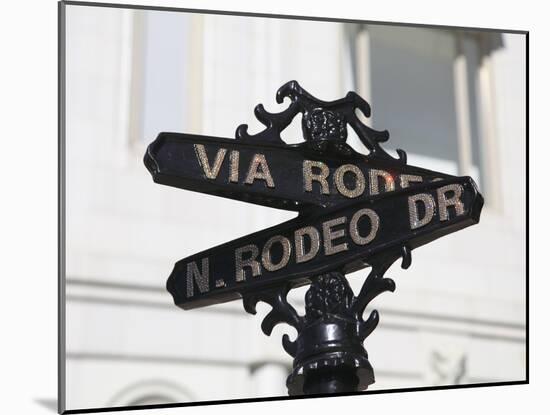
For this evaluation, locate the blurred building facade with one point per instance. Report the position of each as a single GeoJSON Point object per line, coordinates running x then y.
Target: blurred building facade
{"type": "Point", "coordinates": [454, 100]}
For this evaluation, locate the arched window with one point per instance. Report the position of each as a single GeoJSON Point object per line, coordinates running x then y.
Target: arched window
{"type": "Point", "coordinates": [151, 392]}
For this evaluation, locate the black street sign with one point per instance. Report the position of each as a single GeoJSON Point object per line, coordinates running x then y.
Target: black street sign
{"type": "Point", "coordinates": [290, 177]}
{"type": "Point", "coordinates": [355, 211]}
{"type": "Point", "coordinates": [336, 190]}
{"type": "Point", "coordinates": [342, 238]}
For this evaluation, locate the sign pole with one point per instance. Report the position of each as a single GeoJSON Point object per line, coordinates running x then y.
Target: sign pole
{"type": "Point", "coordinates": [330, 356]}
{"type": "Point", "coordinates": [328, 352]}
{"type": "Point", "coordinates": [354, 211]}
{"type": "Point", "coordinates": [343, 364]}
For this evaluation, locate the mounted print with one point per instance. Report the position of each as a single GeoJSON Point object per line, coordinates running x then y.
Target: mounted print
{"type": "Point", "coordinates": [193, 226]}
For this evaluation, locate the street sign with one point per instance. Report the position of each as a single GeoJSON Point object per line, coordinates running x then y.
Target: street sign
{"type": "Point", "coordinates": [354, 211]}
{"type": "Point", "coordinates": [290, 177]}
{"type": "Point", "coordinates": [342, 238]}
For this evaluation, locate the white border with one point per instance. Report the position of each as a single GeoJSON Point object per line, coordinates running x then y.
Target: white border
{"type": "Point", "coordinates": [28, 96]}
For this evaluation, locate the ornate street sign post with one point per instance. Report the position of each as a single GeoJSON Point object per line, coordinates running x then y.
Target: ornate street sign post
{"type": "Point", "coordinates": [354, 211]}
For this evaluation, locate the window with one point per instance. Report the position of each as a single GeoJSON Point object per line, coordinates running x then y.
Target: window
{"type": "Point", "coordinates": [166, 84]}
{"type": "Point", "coordinates": [434, 108]}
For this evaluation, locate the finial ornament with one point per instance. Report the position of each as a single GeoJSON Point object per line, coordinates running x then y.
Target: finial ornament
{"type": "Point", "coordinates": [323, 122]}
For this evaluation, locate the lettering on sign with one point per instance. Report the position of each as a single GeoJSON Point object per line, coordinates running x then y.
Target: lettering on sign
{"type": "Point", "coordinates": [352, 207]}
{"type": "Point", "coordinates": [333, 238]}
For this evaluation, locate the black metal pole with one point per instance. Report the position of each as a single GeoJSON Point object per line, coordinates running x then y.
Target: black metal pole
{"type": "Point", "coordinates": [330, 381]}
{"type": "Point", "coordinates": [329, 356]}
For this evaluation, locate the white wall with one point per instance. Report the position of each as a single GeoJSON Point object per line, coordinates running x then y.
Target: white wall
{"type": "Point", "coordinates": [463, 297]}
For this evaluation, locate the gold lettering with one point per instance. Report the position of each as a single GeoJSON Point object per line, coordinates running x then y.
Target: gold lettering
{"type": "Point", "coordinates": [320, 178]}
{"type": "Point", "coordinates": [259, 161]}
{"type": "Point", "coordinates": [444, 202]}
{"type": "Point", "coordinates": [233, 166]}
{"type": "Point", "coordinates": [210, 172]}
{"type": "Point", "coordinates": [354, 230]}
{"type": "Point", "coordinates": [406, 180]}
{"type": "Point", "coordinates": [201, 278]}
{"type": "Point", "coordinates": [429, 207]}
{"type": "Point", "coordinates": [374, 175]}
{"type": "Point", "coordinates": [267, 261]}
{"type": "Point", "coordinates": [301, 255]}
{"type": "Point", "coordinates": [359, 180]}
{"type": "Point", "coordinates": [241, 263]}
{"type": "Point", "coordinates": [329, 235]}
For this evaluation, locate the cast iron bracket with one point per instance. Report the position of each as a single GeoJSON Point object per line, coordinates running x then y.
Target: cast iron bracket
{"type": "Point", "coordinates": [323, 123]}
{"type": "Point", "coordinates": [328, 351]}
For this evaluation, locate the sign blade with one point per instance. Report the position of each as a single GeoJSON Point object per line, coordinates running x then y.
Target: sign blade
{"type": "Point", "coordinates": [344, 237]}
{"type": "Point", "coordinates": [290, 177]}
